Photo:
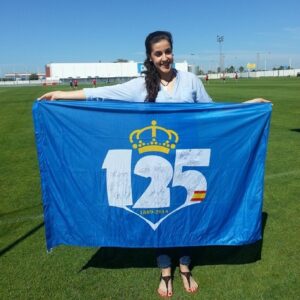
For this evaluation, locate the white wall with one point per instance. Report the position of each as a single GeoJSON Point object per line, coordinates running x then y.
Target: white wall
{"type": "Point", "coordinates": [102, 70]}
{"type": "Point", "coordinates": [22, 82]}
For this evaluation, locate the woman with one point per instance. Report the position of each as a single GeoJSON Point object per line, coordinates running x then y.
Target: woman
{"type": "Point", "coordinates": [162, 83]}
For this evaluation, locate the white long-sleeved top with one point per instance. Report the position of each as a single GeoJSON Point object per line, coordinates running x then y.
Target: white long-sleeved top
{"type": "Point", "coordinates": [187, 88]}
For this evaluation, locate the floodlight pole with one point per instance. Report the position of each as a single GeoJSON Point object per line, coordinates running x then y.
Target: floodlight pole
{"type": "Point", "coordinates": [265, 62]}
{"type": "Point", "coordinates": [220, 40]}
{"type": "Point", "coordinates": [257, 61]}
{"type": "Point", "coordinates": [266, 53]}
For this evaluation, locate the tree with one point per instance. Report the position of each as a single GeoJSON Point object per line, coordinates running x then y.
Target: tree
{"type": "Point", "coordinates": [198, 71]}
{"type": "Point", "coordinates": [33, 76]}
{"type": "Point", "coordinates": [231, 69]}
{"type": "Point", "coordinates": [279, 68]}
{"type": "Point", "coordinates": [241, 69]}
{"type": "Point", "coordinates": [120, 60]}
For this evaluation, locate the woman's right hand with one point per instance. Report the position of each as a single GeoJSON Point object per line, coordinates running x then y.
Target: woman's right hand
{"type": "Point", "coordinates": [51, 96]}
{"type": "Point", "coordinates": [56, 95]}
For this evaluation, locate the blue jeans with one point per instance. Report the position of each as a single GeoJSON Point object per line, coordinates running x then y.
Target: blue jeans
{"type": "Point", "coordinates": [164, 256]}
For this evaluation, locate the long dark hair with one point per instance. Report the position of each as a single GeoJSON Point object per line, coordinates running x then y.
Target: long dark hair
{"type": "Point", "coordinates": [152, 78]}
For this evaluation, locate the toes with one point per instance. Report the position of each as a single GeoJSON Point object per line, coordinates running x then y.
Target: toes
{"type": "Point", "coordinates": [161, 293]}
{"type": "Point", "coordinates": [164, 294]}
{"type": "Point", "coordinates": [193, 289]}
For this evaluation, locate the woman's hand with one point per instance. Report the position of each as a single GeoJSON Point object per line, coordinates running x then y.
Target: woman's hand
{"type": "Point", "coordinates": [56, 95]}
{"type": "Point", "coordinates": [257, 100]}
{"type": "Point", "coordinates": [51, 96]}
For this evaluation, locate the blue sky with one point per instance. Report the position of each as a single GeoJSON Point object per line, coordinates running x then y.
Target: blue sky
{"type": "Point", "coordinates": [37, 32]}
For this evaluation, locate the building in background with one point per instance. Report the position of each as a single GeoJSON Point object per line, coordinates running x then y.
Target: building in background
{"type": "Point", "coordinates": [112, 72]}
{"type": "Point", "coordinates": [23, 76]}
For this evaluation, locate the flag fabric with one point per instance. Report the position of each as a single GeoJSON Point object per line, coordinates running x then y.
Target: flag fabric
{"type": "Point", "coordinates": [151, 175]}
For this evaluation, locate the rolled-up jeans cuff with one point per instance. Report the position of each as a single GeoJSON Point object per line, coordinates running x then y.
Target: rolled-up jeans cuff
{"type": "Point", "coordinates": [185, 260]}
{"type": "Point", "coordinates": [163, 261]}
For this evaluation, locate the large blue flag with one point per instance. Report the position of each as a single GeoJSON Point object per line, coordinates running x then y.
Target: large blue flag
{"type": "Point", "coordinates": [151, 175]}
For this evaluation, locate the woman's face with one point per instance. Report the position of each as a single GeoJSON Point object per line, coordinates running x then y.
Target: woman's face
{"type": "Point", "coordinates": [162, 56]}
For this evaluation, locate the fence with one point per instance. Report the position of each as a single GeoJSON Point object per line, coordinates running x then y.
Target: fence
{"type": "Point", "coordinates": [258, 74]}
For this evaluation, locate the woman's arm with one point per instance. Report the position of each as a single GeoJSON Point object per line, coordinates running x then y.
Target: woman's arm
{"type": "Point", "coordinates": [132, 90]}
{"type": "Point", "coordinates": [71, 95]}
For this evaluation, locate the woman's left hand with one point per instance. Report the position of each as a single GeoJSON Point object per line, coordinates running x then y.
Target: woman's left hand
{"type": "Point", "coordinates": [257, 100]}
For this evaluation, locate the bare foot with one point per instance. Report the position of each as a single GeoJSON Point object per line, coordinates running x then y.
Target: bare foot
{"type": "Point", "coordinates": [165, 288]}
{"type": "Point", "coordinates": [190, 285]}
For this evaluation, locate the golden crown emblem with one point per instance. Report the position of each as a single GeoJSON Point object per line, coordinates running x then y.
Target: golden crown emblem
{"type": "Point", "coordinates": [143, 141]}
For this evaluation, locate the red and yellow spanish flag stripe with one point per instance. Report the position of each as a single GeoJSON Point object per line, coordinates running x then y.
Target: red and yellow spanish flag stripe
{"type": "Point", "coordinates": [198, 196]}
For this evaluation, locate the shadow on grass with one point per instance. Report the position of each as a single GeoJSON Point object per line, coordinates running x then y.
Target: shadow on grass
{"type": "Point", "coordinates": [117, 258]}
{"type": "Point", "coordinates": [21, 239]}
{"type": "Point", "coordinates": [295, 129]}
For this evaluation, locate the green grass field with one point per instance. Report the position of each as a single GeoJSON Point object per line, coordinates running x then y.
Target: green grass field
{"type": "Point", "coordinates": [266, 270]}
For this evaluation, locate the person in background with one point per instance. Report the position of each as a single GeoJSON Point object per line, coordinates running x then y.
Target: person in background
{"type": "Point", "coordinates": [223, 77]}
{"type": "Point", "coordinates": [161, 84]}
{"type": "Point", "coordinates": [206, 78]}
{"type": "Point", "coordinates": [75, 83]}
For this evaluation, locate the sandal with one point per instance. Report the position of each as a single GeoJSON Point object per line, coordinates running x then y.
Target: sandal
{"type": "Point", "coordinates": [188, 275]}
{"type": "Point", "coordinates": [166, 280]}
